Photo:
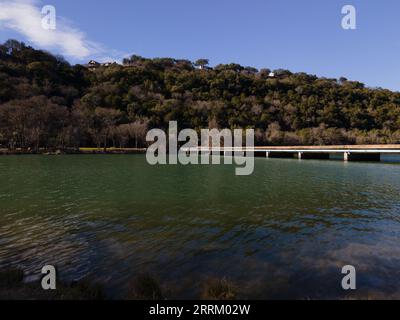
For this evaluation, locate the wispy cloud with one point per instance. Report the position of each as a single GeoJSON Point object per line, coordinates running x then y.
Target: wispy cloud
{"type": "Point", "coordinates": [24, 17]}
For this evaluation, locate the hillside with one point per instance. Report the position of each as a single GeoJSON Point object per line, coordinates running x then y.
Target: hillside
{"type": "Point", "coordinates": [46, 102]}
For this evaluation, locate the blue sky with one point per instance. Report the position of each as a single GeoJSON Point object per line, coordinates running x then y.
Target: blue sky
{"type": "Point", "coordinates": [291, 34]}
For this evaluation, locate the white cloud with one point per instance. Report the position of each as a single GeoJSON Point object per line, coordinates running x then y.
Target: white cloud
{"type": "Point", "coordinates": [25, 18]}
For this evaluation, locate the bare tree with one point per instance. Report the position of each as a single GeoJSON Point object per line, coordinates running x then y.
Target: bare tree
{"type": "Point", "coordinates": [138, 130]}
{"type": "Point", "coordinates": [104, 120]}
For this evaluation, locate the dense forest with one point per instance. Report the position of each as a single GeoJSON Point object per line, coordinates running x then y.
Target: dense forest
{"type": "Point", "coordinates": [47, 103]}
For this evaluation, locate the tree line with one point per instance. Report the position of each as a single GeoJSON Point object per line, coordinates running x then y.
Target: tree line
{"type": "Point", "coordinates": [47, 103]}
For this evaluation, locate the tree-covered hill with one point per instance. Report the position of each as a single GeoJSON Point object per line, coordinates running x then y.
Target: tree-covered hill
{"type": "Point", "coordinates": [46, 102]}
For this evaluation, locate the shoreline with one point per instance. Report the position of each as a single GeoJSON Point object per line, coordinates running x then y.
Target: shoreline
{"type": "Point", "coordinates": [83, 151]}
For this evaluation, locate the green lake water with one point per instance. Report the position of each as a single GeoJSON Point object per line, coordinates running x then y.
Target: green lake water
{"type": "Point", "coordinates": [283, 232]}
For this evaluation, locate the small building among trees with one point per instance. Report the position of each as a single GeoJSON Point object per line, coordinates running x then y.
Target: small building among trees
{"type": "Point", "coordinates": [93, 65]}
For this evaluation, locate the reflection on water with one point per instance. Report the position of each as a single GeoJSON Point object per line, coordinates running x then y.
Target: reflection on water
{"type": "Point", "coordinates": [284, 232]}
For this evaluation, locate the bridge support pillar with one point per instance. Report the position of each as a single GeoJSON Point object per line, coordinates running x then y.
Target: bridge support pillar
{"type": "Point", "coordinates": [300, 155]}
{"type": "Point", "coordinates": [351, 156]}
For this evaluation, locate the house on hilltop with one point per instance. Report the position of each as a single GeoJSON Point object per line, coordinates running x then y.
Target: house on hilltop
{"type": "Point", "coordinates": [93, 65]}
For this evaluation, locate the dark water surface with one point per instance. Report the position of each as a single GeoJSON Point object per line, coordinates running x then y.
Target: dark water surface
{"type": "Point", "coordinates": [284, 232]}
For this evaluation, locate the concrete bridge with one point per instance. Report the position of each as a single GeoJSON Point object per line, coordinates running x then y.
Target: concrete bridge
{"type": "Point", "coordinates": [345, 152]}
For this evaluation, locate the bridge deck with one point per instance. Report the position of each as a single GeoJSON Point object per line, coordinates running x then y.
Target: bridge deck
{"type": "Point", "coordinates": [389, 148]}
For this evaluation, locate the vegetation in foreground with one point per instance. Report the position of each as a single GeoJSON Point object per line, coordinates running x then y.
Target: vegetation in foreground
{"type": "Point", "coordinates": [219, 289]}
{"type": "Point", "coordinates": [143, 287]}
{"type": "Point", "coordinates": [47, 103]}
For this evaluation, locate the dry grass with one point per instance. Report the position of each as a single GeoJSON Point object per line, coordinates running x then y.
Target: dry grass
{"type": "Point", "coordinates": [219, 289]}
{"type": "Point", "coordinates": [145, 287]}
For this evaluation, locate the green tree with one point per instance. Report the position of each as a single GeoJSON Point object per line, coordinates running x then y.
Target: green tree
{"type": "Point", "coordinates": [202, 63]}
